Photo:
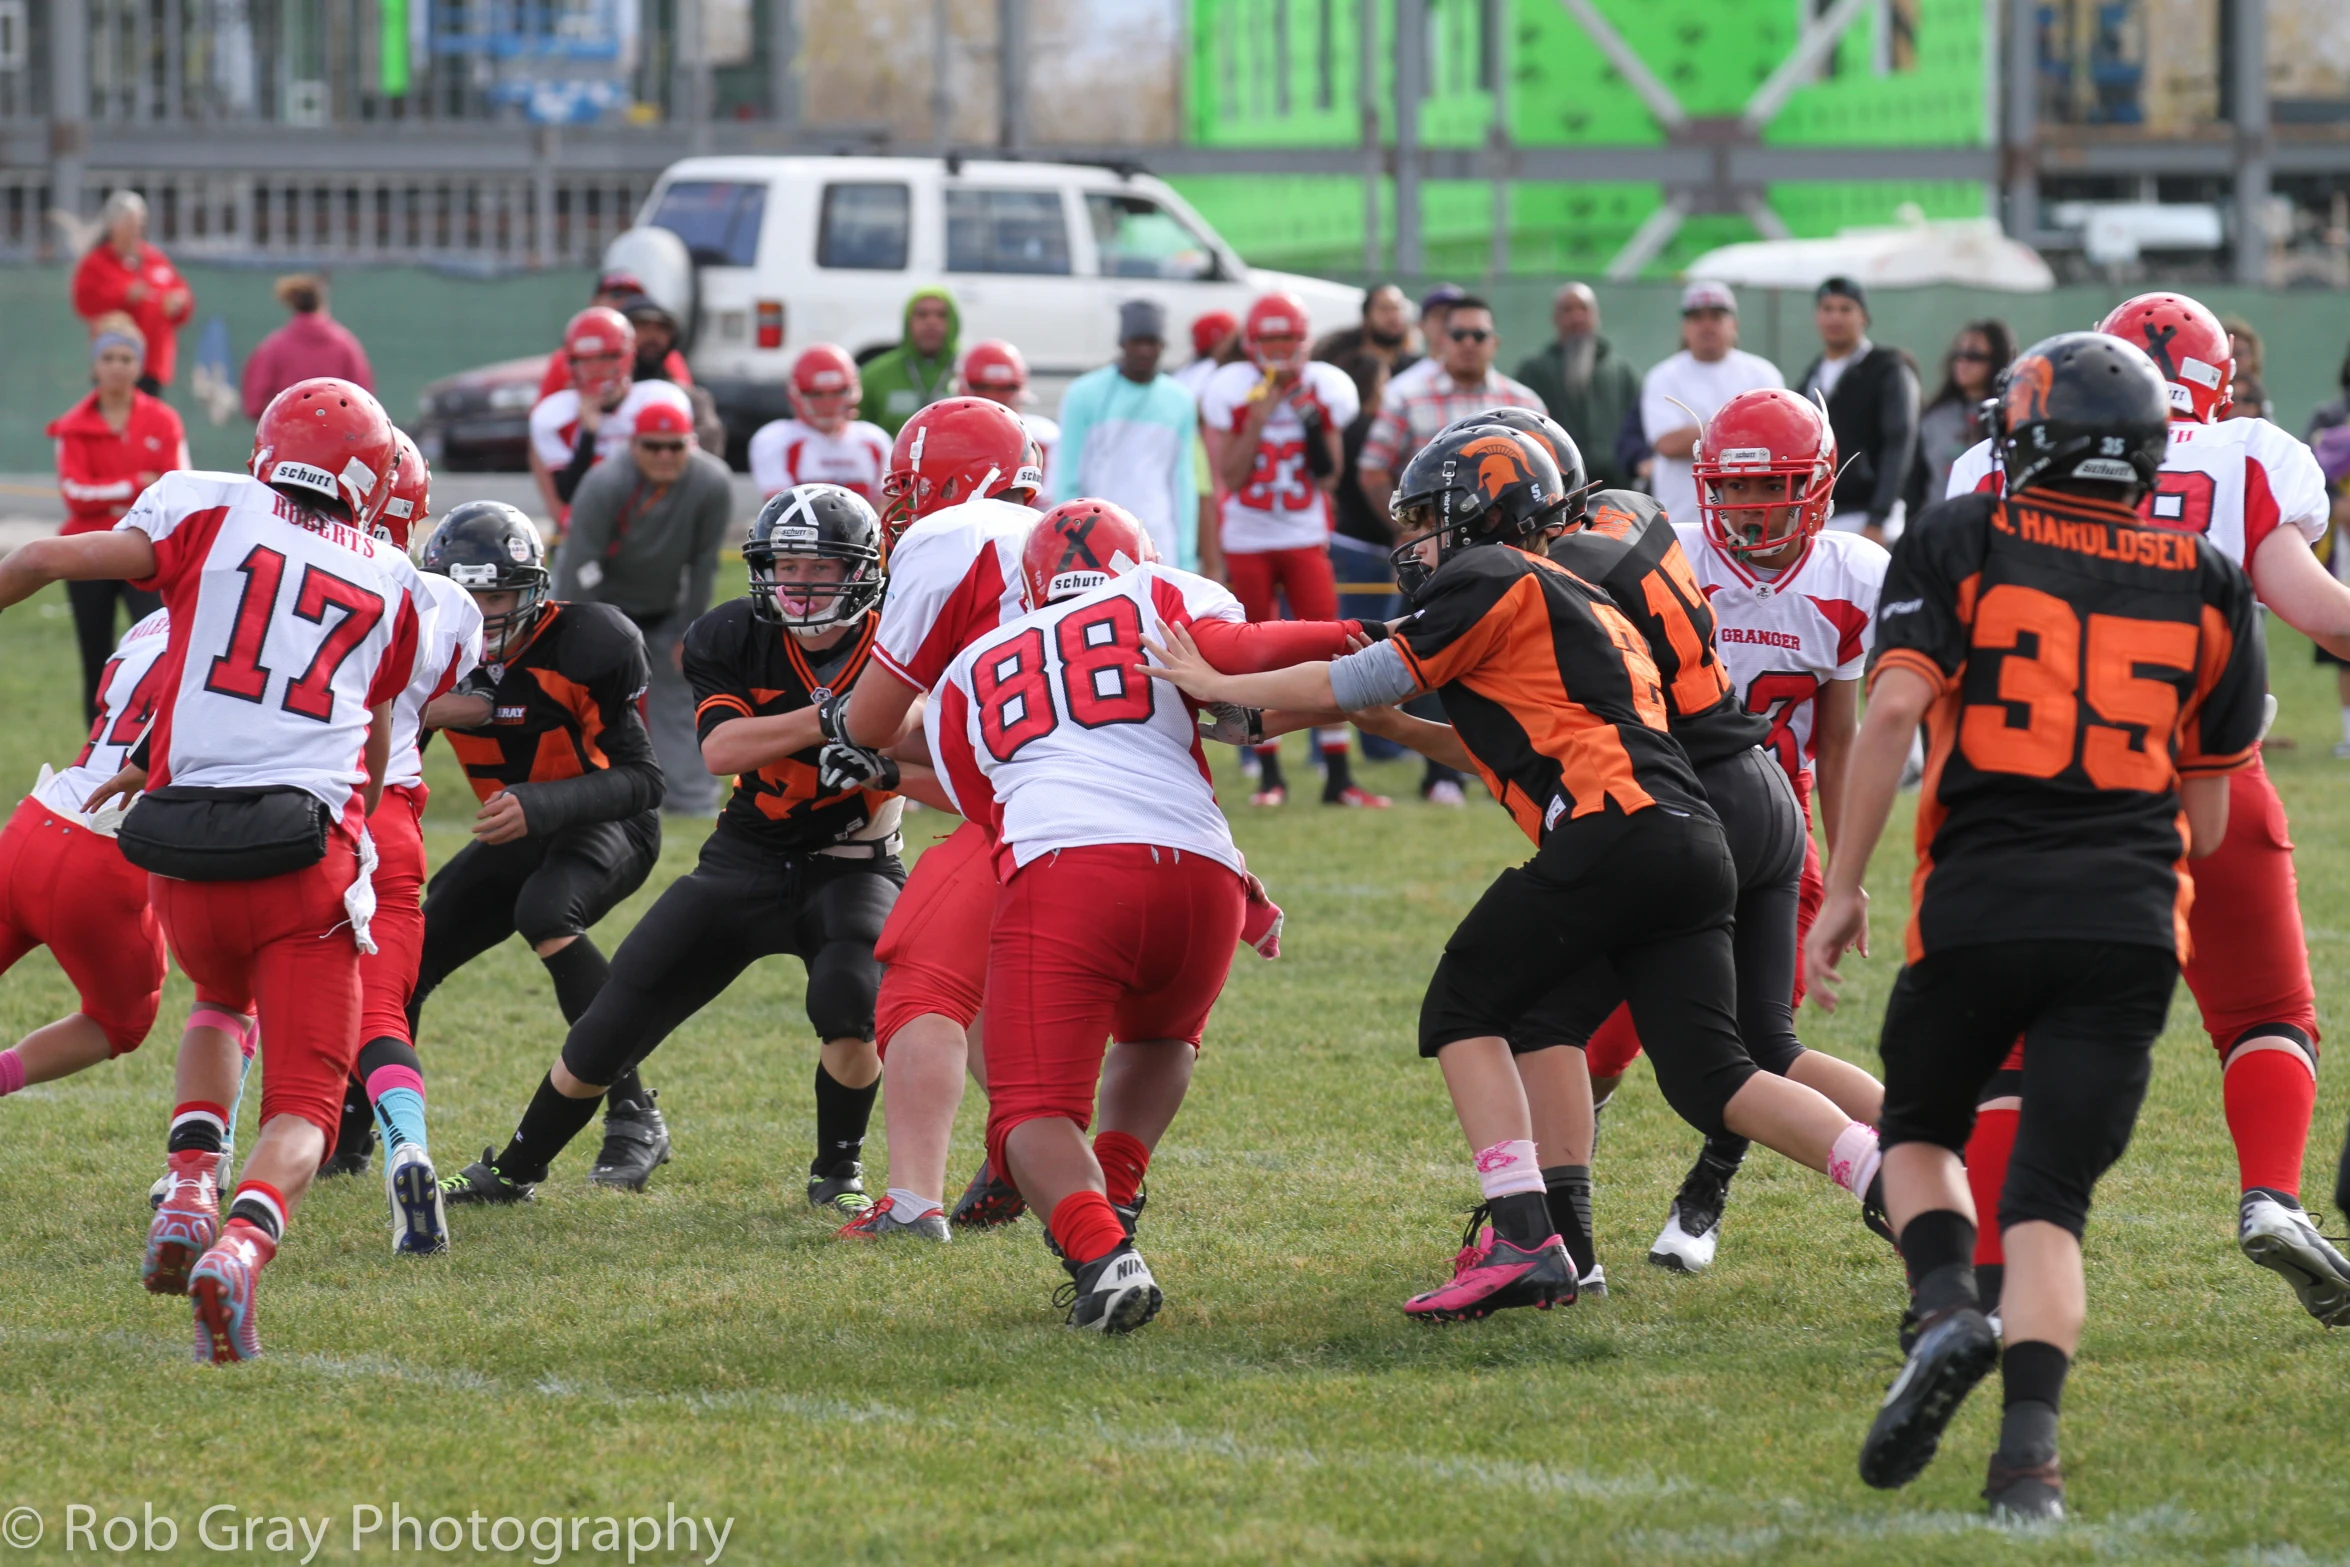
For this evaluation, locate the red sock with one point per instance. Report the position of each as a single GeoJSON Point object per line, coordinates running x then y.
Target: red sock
{"type": "Point", "coordinates": [2269, 1096]}
{"type": "Point", "coordinates": [1086, 1227]}
{"type": "Point", "coordinates": [1123, 1159]}
{"type": "Point", "coordinates": [1986, 1176]}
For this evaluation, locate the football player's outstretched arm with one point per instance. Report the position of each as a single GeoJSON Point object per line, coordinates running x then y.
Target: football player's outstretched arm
{"type": "Point", "coordinates": [1897, 704]}
{"type": "Point", "coordinates": [2302, 593]}
{"type": "Point", "coordinates": [880, 709]}
{"type": "Point", "coordinates": [744, 745]}
{"type": "Point", "coordinates": [1185, 667]}
{"type": "Point", "coordinates": [1440, 743]}
{"type": "Point", "coordinates": [127, 555]}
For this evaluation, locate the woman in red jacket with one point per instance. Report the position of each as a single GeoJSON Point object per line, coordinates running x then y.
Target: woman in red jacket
{"type": "Point", "coordinates": [122, 272]}
{"type": "Point", "coordinates": [110, 446]}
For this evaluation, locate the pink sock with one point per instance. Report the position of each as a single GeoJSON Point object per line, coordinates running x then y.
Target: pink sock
{"type": "Point", "coordinates": [1508, 1168]}
{"type": "Point", "coordinates": [1853, 1158]}
{"type": "Point", "coordinates": [11, 1071]}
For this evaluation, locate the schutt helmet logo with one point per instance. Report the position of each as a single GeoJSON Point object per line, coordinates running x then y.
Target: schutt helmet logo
{"type": "Point", "coordinates": [1500, 463]}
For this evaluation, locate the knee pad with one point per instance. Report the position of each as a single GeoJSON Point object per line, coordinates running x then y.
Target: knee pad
{"type": "Point", "coordinates": [844, 988]}
{"type": "Point", "coordinates": [125, 1022]}
{"type": "Point", "coordinates": [1700, 1097]}
{"type": "Point", "coordinates": [1776, 1053]}
{"type": "Point", "coordinates": [544, 912]}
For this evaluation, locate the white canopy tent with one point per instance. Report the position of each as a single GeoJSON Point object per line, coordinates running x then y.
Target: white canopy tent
{"type": "Point", "coordinates": [1970, 252]}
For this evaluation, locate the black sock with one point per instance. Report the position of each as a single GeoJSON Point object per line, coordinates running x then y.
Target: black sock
{"type": "Point", "coordinates": [1725, 1152]}
{"type": "Point", "coordinates": [1938, 1249]}
{"type": "Point", "coordinates": [356, 1135]}
{"type": "Point", "coordinates": [578, 971]}
{"type": "Point", "coordinates": [258, 1214]}
{"type": "Point", "coordinates": [628, 1092]}
{"type": "Point", "coordinates": [377, 1054]}
{"type": "Point", "coordinates": [193, 1136]}
{"type": "Point", "coordinates": [1337, 772]}
{"type": "Point", "coordinates": [1521, 1218]}
{"type": "Point", "coordinates": [1567, 1191]}
{"type": "Point", "coordinates": [547, 1128]}
{"type": "Point", "coordinates": [2033, 1374]}
{"type": "Point", "coordinates": [842, 1114]}
{"type": "Point", "coordinates": [1990, 1278]}
{"type": "Point", "coordinates": [1269, 760]}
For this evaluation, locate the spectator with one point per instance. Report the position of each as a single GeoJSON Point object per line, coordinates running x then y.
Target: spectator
{"type": "Point", "coordinates": [2244, 343]}
{"type": "Point", "coordinates": [1635, 458]}
{"type": "Point", "coordinates": [1215, 341]}
{"type": "Point", "coordinates": [1459, 379]}
{"type": "Point", "coordinates": [1584, 383]}
{"type": "Point", "coordinates": [1872, 398]}
{"type": "Point", "coordinates": [311, 343]}
{"type": "Point", "coordinates": [614, 290]}
{"type": "Point", "coordinates": [1435, 310]}
{"type": "Point", "coordinates": [1682, 392]}
{"type": "Point", "coordinates": [2333, 413]}
{"type": "Point", "coordinates": [646, 528]}
{"type": "Point", "coordinates": [2250, 400]}
{"type": "Point", "coordinates": [1361, 536]}
{"type": "Point", "coordinates": [1127, 435]}
{"type": "Point", "coordinates": [110, 446]}
{"type": "Point", "coordinates": [921, 369]}
{"type": "Point", "coordinates": [1953, 421]}
{"type": "Point", "coordinates": [1383, 334]}
{"type": "Point", "coordinates": [123, 273]}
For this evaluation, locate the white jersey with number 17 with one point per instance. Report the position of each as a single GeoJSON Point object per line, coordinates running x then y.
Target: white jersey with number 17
{"type": "Point", "coordinates": [1045, 733]}
{"type": "Point", "coordinates": [286, 628]}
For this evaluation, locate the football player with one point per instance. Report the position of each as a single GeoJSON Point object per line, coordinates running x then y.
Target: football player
{"type": "Point", "coordinates": [386, 1088]}
{"type": "Point", "coordinates": [570, 819]}
{"type": "Point", "coordinates": [2087, 682]}
{"type": "Point", "coordinates": [792, 867]}
{"type": "Point", "coordinates": [2257, 494]}
{"type": "Point", "coordinates": [823, 442]}
{"type": "Point", "coordinates": [1555, 701]}
{"type": "Point", "coordinates": [291, 632]}
{"type": "Point", "coordinates": [576, 428]}
{"type": "Point", "coordinates": [1122, 894]}
{"type": "Point", "coordinates": [64, 884]}
{"type": "Point", "coordinates": [1274, 424]}
{"type": "Point", "coordinates": [993, 369]}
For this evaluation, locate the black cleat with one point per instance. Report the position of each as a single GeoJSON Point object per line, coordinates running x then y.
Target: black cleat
{"type": "Point", "coordinates": [1112, 1294]}
{"type": "Point", "coordinates": [841, 1190]}
{"type": "Point", "coordinates": [636, 1143]}
{"type": "Point", "coordinates": [1130, 1214]}
{"type": "Point", "coordinates": [2028, 1492]}
{"type": "Point", "coordinates": [354, 1137]}
{"type": "Point", "coordinates": [1955, 1350]}
{"type": "Point", "coordinates": [481, 1182]}
{"type": "Point", "coordinates": [989, 1201]}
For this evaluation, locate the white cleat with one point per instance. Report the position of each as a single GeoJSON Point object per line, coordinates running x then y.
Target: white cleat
{"type": "Point", "coordinates": [1593, 1285]}
{"type": "Point", "coordinates": [1686, 1243]}
{"type": "Point", "coordinates": [420, 1225]}
{"type": "Point", "coordinates": [2280, 1237]}
{"type": "Point", "coordinates": [1114, 1294]}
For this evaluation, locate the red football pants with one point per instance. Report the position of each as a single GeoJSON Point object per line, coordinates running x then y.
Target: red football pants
{"type": "Point", "coordinates": [1301, 575]}
{"type": "Point", "coordinates": [1107, 942]}
{"type": "Point", "coordinates": [933, 946]}
{"type": "Point", "coordinates": [67, 888]}
{"type": "Point", "coordinates": [279, 948]}
{"type": "Point", "coordinates": [388, 975]}
{"type": "Point", "coordinates": [1615, 1043]}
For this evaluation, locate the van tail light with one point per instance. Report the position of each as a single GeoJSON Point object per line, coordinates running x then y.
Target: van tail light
{"type": "Point", "coordinates": [770, 323]}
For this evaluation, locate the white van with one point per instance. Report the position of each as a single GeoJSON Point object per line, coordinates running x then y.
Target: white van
{"type": "Point", "coordinates": [789, 251]}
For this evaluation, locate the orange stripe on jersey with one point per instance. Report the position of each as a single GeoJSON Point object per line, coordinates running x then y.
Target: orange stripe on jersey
{"type": "Point", "coordinates": [582, 703]}
{"type": "Point", "coordinates": [1916, 663]}
{"type": "Point", "coordinates": [722, 699]}
{"type": "Point", "coordinates": [2219, 645]}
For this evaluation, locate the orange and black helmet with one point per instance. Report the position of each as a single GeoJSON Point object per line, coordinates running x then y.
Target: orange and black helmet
{"type": "Point", "coordinates": [1473, 484]}
{"type": "Point", "coordinates": [2081, 405]}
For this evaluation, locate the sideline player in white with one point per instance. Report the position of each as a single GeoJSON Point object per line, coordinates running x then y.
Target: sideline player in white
{"type": "Point", "coordinates": [593, 418]}
{"type": "Point", "coordinates": [292, 630]}
{"type": "Point", "coordinates": [995, 370]}
{"type": "Point", "coordinates": [2258, 495]}
{"type": "Point", "coordinates": [1122, 894]}
{"type": "Point", "coordinates": [823, 442]}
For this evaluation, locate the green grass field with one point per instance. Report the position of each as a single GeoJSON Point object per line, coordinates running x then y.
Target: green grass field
{"type": "Point", "coordinates": [709, 1347]}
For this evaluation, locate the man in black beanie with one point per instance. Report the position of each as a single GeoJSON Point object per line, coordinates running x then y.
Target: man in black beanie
{"type": "Point", "coordinates": [1872, 396]}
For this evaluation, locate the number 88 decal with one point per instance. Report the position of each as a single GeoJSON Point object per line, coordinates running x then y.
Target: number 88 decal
{"type": "Point", "coordinates": [1098, 687]}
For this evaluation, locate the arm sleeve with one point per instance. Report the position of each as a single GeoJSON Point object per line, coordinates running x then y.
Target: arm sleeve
{"type": "Point", "coordinates": [583, 457]}
{"type": "Point", "coordinates": [96, 288]}
{"type": "Point", "coordinates": [1921, 624]}
{"type": "Point", "coordinates": [1374, 677]}
{"type": "Point", "coordinates": [631, 781]}
{"type": "Point", "coordinates": [1254, 647]}
{"type": "Point", "coordinates": [88, 494]}
{"type": "Point", "coordinates": [2221, 726]}
{"type": "Point", "coordinates": [1898, 432]}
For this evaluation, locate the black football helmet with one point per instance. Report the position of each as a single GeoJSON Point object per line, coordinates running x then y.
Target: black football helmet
{"type": "Point", "coordinates": [1574, 479]}
{"type": "Point", "coordinates": [2081, 405]}
{"type": "Point", "coordinates": [491, 547]}
{"type": "Point", "coordinates": [1473, 484]}
{"type": "Point", "coordinates": [824, 522]}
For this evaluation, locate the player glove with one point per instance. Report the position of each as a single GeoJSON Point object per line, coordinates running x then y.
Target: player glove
{"type": "Point", "coordinates": [831, 706]}
{"type": "Point", "coordinates": [1232, 724]}
{"type": "Point", "coordinates": [1261, 920]}
{"type": "Point", "coordinates": [841, 767]}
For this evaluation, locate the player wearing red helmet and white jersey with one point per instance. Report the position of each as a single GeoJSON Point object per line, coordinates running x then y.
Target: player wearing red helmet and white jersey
{"type": "Point", "coordinates": [1274, 425]}
{"type": "Point", "coordinates": [995, 370]}
{"type": "Point", "coordinates": [292, 631]}
{"type": "Point", "coordinates": [1122, 893]}
{"type": "Point", "coordinates": [2257, 494]}
{"type": "Point", "coordinates": [64, 884]}
{"type": "Point", "coordinates": [594, 417]}
{"type": "Point", "coordinates": [824, 442]}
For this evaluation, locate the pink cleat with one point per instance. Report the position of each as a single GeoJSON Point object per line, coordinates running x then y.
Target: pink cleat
{"type": "Point", "coordinates": [1490, 1274]}
{"type": "Point", "coordinates": [186, 1222]}
{"type": "Point", "coordinates": [222, 1286]}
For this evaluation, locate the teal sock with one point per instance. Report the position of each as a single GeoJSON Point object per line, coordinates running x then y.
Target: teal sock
{"type": "Point", "coordinates": [394, 1079]}
{"type": "Point", "coordinates": [400, 1112]}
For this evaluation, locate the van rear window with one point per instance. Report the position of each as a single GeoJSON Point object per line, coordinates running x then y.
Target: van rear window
{"type": "Point", "coordinates": [863, 228]}
{"type": "Point", "coordinates": [1007, 231]}
{"type": "Point", "coordinates": [717, 219]}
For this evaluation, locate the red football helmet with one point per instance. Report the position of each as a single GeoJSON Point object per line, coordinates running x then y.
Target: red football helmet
{"type": "Point", "coordinates": [1764, 434]}
{"type": "Point", "coordinates": [958, 449]}
{"type": "Point", "coordinates": [826, 372]}
{"type": "Point", "coordinates": [993, 369]}
{"type": "Point", "coordinates": [1272, 320]}
{"type": "Point", "coordinates": [601, 346]}
{"type": "Point", "coordinates": [1078, 546]}
{"type": "Point", "coordinates": [410, 502]}
{"type": "Point", "coordinates": [2187, 344]}
{"type": "Point", "coordinates": [332, 439]}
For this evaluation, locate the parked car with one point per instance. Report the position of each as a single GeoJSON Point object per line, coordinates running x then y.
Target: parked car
{"type": "Point", "coordinates": [478, 421]}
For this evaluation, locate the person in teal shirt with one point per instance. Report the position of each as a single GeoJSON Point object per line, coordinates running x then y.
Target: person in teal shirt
{"type": "Point", "coordinates": [1128, 434]}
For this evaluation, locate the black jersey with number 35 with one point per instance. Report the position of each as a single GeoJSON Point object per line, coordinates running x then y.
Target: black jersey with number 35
{"type": "Point", "coordinates": [2082, 664]}
{"type": "Point", "coordinates": [742, 667]}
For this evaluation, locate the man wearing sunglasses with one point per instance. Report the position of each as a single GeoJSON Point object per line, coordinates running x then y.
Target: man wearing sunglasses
{"type": "Point", "coordinates": [645, 533]}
